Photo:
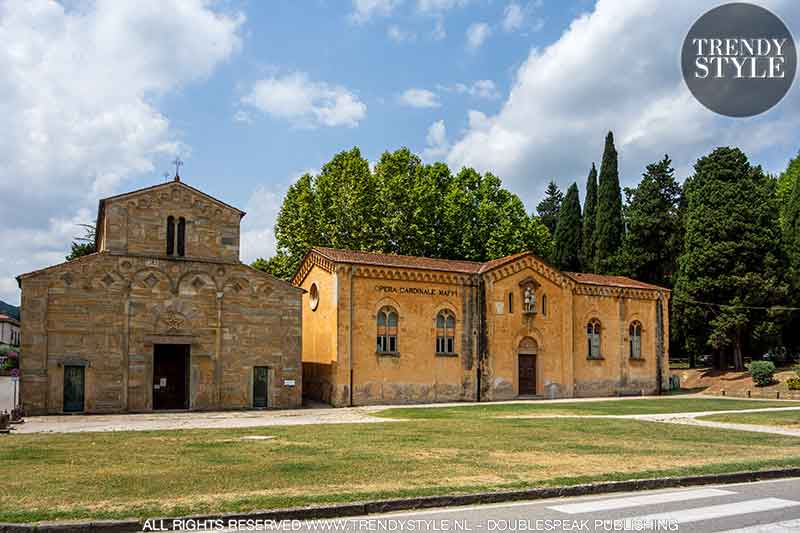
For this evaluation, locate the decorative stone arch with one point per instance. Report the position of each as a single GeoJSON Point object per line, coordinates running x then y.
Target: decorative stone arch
{"type": "Point", "coordinates": [108, 280]}
{"type": "Point", "coordinates": [149, 277]}
{"type": "Point", "coordinates": [237, 286]}
{"type": "Point", "coordinates": [528, 345]}
{"type": "Point", "coordinates": [194, 281]}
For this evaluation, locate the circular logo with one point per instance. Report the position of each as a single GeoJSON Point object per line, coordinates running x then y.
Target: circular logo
{"type": "Point", "coordinates": [739, 60]}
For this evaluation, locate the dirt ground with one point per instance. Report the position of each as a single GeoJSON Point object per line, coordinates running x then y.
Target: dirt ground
{"type": "Point", "coordinates": [710, 381]}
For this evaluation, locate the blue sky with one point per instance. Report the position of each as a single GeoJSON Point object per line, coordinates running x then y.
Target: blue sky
{"type": "Point", "coordinates": [99, 96]}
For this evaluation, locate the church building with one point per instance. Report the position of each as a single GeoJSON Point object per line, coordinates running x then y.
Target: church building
{"type": "Point", "coordinates": [383, 328]}
{"type": "Point", "coordinates": [163, 316]}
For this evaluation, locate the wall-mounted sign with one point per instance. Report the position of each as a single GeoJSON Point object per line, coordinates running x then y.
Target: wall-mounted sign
{"type": "Point", "coordinates": [420, 291]}
{"type": "Point", "coordinates": [288, 382]}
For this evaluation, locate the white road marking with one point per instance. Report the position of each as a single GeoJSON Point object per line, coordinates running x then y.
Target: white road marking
{"type": "Point", "coordinates": [788, 526]}
{"type": "Point", "coordinates": [717, 511]}
{"type": "Point", "coordinates": [636, 501]}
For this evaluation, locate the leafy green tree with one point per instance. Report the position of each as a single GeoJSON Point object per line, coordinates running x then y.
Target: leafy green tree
{"type": "Point", "coordinates": [652, 242]}
{"type": "Point", "coordinates": [401, 207]}
{"type": "Point", "coordinates": [344, 203]}
{"type": "Point", "coordinates": [731, 263]}
{"type": "Point", "coordinates": [790, 221]}
{"type": "Point", "coordinates": [786, 184]}
{"type": "Point", "coordinates": [410, 197]}
{"type": "Point", "coordinates": [84, 245]}
{"type": "Point", "coordinates": [567, 239]}
{"type": "Point", "coordinates": [609, 228]}
{"type": "Point", "coordinates": [550, 206]}
{"type": "Point", "coordinates": [589, 220]}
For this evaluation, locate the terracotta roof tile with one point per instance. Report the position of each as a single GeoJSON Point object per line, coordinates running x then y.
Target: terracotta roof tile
{"type": "Point", "coordinates": [465, 267]}
{"type": "Point", "coordinates": [614, 281]}
{"type": "Point", "coordinates": [399, 261]}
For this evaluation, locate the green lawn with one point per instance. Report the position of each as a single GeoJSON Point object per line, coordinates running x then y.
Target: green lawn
{"type": "Point", "coordinates": [789, 419]}
{"type": "Point", "coordinates": [608, 407]}
{"type": "Point", "coordinates": [146, 474]}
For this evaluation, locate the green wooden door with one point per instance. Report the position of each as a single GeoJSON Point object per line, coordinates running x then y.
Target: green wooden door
{"type": "Point", "coordinates": [260, 383]}
{"type": "Point", "coordinates": [73, 388]}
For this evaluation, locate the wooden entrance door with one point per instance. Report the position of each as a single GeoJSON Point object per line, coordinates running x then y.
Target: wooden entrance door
{"type": "Point", "coordinates": [527, 375]}
{"type": "Point", "coordinates": [74, 386]}
{"type": "Point", "coordinates": [260, 385]}
{"type": "Point", "coordinates": [171, 376]}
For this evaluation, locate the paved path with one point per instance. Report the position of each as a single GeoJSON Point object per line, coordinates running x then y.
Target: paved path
{"type": "Point", "coordinates": [693, 419]}
{"type": "Point", "coordinates": [345, 415]}
{"type": "Point", "coordinates": [760, 507]}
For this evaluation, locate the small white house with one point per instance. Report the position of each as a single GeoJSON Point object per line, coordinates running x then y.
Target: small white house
{"type": "Point", "coordinates": [9, 331]}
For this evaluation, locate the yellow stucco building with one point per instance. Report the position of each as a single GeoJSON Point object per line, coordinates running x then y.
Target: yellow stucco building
{"type": "Point", "coordinates": [383, 328]}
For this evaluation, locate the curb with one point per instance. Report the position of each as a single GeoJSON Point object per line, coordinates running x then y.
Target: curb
{"type": "Point", "coordinates": [404, 504]}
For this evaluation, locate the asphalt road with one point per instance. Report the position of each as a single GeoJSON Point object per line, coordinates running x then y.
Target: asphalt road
{"type": "Point", "coordinates": [767, 506]}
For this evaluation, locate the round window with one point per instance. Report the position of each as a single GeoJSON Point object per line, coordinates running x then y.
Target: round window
{"type": "Point", "coordinates": [313, 300]}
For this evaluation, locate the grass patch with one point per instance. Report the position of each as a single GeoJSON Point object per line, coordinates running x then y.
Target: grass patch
{"type": "Point", "coordinates": [608, 407]}
{"type": "Point", "coordinates": [787, 419]}
{"type": "Point", "coordinates": [173, 473]}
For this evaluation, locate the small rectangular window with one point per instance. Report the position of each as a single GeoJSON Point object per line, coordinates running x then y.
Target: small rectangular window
{"type": "Point", "coordinates": [544, 304]}
{"type": "Point", "coordinates": [392, 343]}
{"type": "Point", "coordinates": [510, 302]}
{"type": "Point", "coordinates": [181, 237]}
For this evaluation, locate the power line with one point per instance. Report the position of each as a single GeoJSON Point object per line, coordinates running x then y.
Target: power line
{"type": "Point", "coordinates": [730, 306]}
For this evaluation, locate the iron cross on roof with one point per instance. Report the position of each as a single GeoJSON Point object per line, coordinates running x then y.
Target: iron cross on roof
{"type": "Point", "coordinates": [178, 163]}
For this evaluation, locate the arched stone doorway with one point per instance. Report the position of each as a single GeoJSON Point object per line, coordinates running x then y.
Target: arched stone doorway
{"type": "Point", "coordinates": [527, 352]}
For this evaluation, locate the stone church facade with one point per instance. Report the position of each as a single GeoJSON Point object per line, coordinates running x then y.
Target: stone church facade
{"type": "Point", "coordinates": [162, 316]}
{"type": "Point", "coordinates": [393, 329]}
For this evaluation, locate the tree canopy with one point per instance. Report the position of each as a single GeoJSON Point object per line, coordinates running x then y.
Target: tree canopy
{"type": "Point", "coordinates": [550, 206]}
{"type": "Point", "coordinates": [404, 207]}
{"type": "Point", "coordinates": [609, 227]}
{"type": "Point", "coordinates": [589, 220]}
{"type": "Point", "coordinates": [567, 239]}
{"type": "Point", "coordinates": [731, 262]}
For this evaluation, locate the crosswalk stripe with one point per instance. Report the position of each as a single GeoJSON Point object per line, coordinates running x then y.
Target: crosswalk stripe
{"type": "Point", "coordinates": [636, 501]}
{"type": "Point", "coordinates": [787, 526]}
{"type": "Point", "coordinates": [685, 516]}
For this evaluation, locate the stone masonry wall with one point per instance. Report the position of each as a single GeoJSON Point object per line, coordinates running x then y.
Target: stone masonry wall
{"type": "Point", "coordinates": [107, 311]}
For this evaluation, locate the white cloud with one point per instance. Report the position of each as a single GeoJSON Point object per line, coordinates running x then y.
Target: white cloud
{"type": "Point", "coordinates": [513, 17]}
{"type": "Point", "coordinates": [242, 116]}
{"type": "Point", "coordinates": [399, 35]}
{"type": "Point", "coordinates": [258, 226]}
{"type": "Point", "coordinates": [485, 89]}
{"type": "Point", "coordinates": [364, 10]}
{"type": "Point", "coordinates": [439, 6]}
{"type": "Point", "coordinates": [436, 139]}
{"type": "Point", "coordinates": [438, 32]}
{"type": "Point", "coordinates": [420, 98]}
{"type": "Point", "coordinates": [305, 103]}
{"type": "Point", "coordinates": [477, 33]}
{"type": "Point", "coordinates": [615, 69]}
{"type": "Point", "coordinates": [77, 100]}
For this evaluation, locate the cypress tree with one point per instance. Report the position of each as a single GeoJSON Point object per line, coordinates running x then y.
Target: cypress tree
{"type": "Point", "coordinates": [589, 219]}
{"type": "Point", "coordinates": [609, 228]}
{"type": "Point", "coordinates": [567, 249]}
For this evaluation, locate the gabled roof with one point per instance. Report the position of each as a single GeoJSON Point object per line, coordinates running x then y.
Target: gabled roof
{"type": "Point", "coordinates": [611, 281]}
{"type": "Point", "coordinates": [102, 203]}
{"type": "Point", "coordinates": [400, 261]}
{"type": "Point", "coordinates": [463, 267]}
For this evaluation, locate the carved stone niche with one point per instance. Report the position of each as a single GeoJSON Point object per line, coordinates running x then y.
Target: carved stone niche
{"type": "Point", "coordinates": [528, 288]}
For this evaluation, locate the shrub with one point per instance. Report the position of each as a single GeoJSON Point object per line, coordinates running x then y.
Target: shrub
{"type": "Point", "coordinates": [797, 370]}
{"type": "Point", "coordinates": [762, 372]}
{"type": "Point", "coordinates": [793, 383]}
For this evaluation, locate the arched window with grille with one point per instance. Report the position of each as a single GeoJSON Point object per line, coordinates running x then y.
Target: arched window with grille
{"type": "Point", "coordinates": [445, 332]}
{"type": "Point", "coordinates": [387, 330]}
{"type": "Point", "coordinates": [635, 339]}
{"type": "Point", "coordinates": [593, 339]}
